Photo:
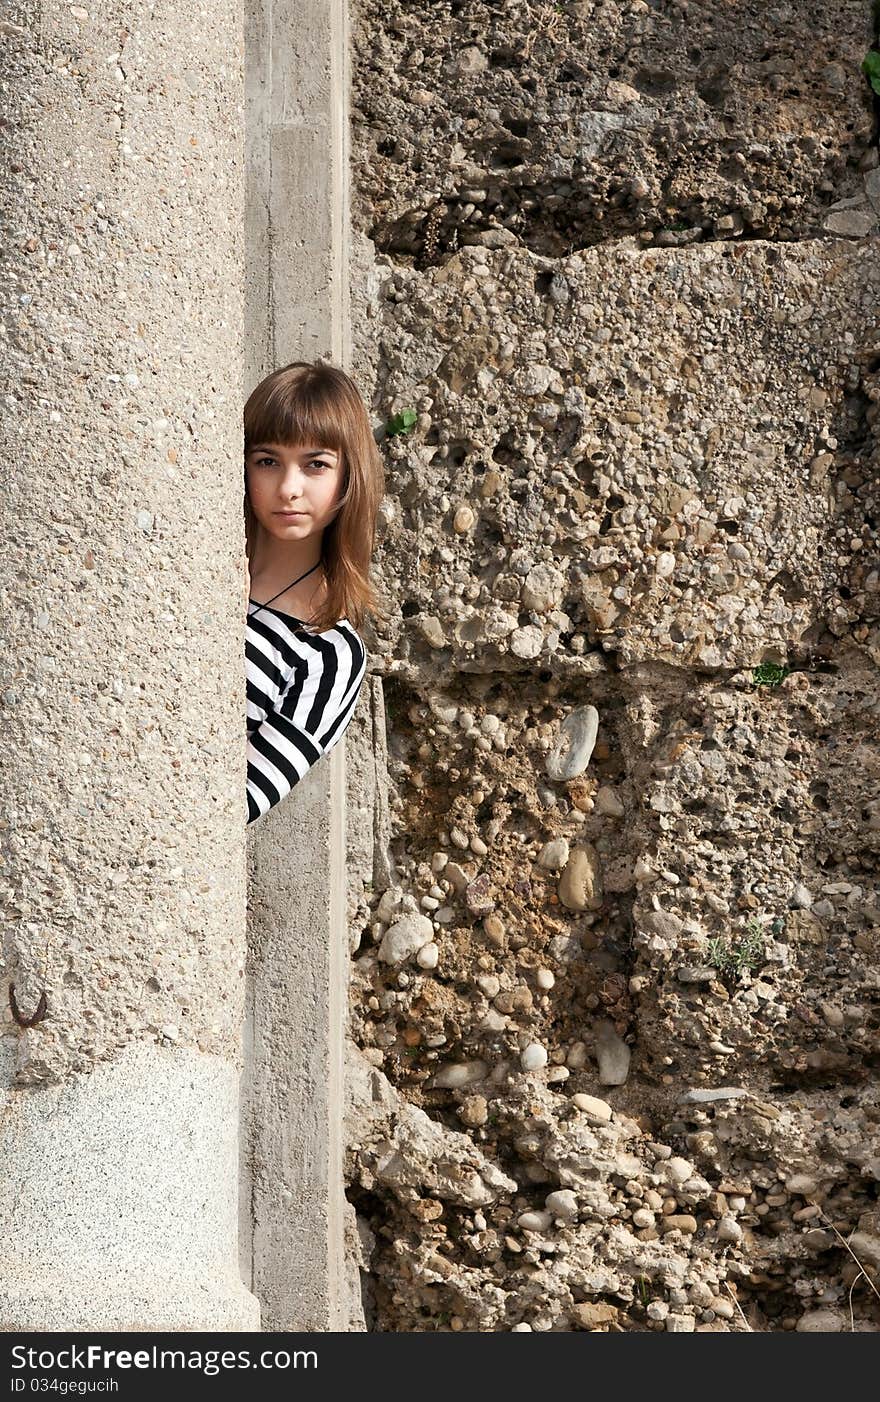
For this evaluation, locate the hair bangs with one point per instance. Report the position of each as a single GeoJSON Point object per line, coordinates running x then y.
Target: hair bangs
{"type": "Point", "coordinates": [302, 414]}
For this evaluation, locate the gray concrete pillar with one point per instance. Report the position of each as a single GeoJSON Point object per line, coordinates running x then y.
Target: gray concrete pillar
{"type": "Point", "coordinates": [121, 672]}
{"type": "Point", "coordinates": [297, 256]}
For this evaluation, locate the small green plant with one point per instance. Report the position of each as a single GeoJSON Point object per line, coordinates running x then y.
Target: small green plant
{"type": "Point", "coordinates": [403, 422]}
{"type": "Point", "coordinates": [871, 68]}
{"type": "Point", "coordinates": [732, 958]}
{"type": "Point", "coordinates": [769, 673]}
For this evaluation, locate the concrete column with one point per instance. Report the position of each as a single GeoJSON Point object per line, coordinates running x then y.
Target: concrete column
{"type": "Point", "coordinates": [297, 223]}
{"type": "Point", "coordinates": [122, 890]}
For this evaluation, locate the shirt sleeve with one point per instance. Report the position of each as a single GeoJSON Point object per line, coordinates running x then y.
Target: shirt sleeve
{"type": "Point", "coordinates": [310, 716]}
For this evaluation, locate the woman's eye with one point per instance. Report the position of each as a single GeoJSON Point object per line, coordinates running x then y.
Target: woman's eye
{"type": "Point", "coordinates": [270, 462]}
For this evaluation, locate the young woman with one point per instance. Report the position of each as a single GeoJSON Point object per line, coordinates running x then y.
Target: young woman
{"type": "Point", "coordinates": [314, 480]}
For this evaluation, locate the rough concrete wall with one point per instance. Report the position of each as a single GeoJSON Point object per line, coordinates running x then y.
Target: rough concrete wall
{"type": "Point", "coordinates": [619, 261]}
{"type": "Point", "coordinates": [293, 1205]}
{"type": "Point", "coordinates": [121, 682]}
{"type": "Point", "coordinates": [569, 124]}
{"type": "Point", "coordinates": [121, 388]}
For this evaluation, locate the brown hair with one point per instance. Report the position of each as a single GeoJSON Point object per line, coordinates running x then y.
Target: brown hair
{"type": "Point", "coordinates": [318, 403]}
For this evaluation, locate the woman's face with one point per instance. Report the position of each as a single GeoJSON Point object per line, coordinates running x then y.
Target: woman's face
{"type": "Point", "coordinates": [304, 479]}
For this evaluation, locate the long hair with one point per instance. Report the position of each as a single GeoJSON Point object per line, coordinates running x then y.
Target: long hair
{"type": "Point", "coordinates": [318, 403]}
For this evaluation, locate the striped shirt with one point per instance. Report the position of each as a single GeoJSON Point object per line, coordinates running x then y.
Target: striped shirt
{"type": "Point", "coordinates": [301, 693]}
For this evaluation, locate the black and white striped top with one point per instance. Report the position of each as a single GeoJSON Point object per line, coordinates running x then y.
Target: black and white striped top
{"type": "Point", "coordinates": [301, 693]}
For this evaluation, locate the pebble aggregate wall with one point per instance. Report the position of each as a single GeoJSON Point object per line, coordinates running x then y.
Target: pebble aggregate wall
{"type": "Point", "coordinates": [615, 997]}
{"type": "Point", "coordinates": [567, 124]}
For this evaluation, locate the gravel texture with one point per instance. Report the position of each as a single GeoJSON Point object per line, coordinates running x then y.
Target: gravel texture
{"type": "Point", "coordinates": [619, 261]}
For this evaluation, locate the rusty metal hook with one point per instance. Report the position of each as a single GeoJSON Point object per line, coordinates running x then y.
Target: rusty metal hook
{"type": "Point", "coordinates": [16, 1011]}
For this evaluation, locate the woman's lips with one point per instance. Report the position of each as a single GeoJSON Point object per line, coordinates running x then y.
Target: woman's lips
{"type": "Point", "coordinates": [290, 515]}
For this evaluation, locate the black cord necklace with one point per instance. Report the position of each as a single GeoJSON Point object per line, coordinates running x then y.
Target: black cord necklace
{"type": "Point", "coordinates": [282, 591]}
